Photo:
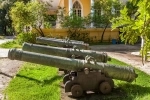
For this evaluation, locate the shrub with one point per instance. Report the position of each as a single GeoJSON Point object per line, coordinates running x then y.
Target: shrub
{"type": "Point", "coordinates": [81, 36]}
{"type": "Point", "coordinates": [26, 37]}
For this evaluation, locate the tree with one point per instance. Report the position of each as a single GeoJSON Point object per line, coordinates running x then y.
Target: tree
{"type": "Point", "coordinates": [2, 22]}
{"type": "Point", "coordinates": [74, 24]}
{"type": "Point", "coordinates": [26, 14]}
{"type": "Point", "coordinates": [135, 26]}
{"type": "Point", "coordinates": [104, 11]}
{"type": "Point", "coordinates": [6, 21]}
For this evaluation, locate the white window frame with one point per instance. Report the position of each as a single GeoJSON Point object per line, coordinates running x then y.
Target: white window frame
{"type": "Point", "coordinates": [80, 5]}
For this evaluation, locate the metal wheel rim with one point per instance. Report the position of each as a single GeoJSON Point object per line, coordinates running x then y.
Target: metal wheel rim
{"type": "Point", "coordinates": [65, 78]}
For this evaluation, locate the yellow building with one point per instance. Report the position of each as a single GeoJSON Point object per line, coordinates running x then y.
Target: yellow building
{"type": "Point", "coordinates": [81, 8]}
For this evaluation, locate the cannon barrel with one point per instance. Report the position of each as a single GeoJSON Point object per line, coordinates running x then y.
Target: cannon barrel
{"type": "Point", "coordinates": [66, 39]}
{"type": "Point", "coordinates": [116, 72]}
{"type": "Point", "coordinates": [60, 43]}
{"type": "Point", "coordinates": [65, 52]}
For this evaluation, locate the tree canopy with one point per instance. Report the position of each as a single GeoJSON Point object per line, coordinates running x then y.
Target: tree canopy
{"type": "Point", "coordinates": [5, 21]}
{"type": "Point", "coordinates": [104, 11]}
{"type": "Point", "coordinates": [27, 14]}
{"type": "Point", "coordinates": [136, 25]}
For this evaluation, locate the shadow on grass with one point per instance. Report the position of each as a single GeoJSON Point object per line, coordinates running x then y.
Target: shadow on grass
{"type": "Point", "coordinates": [117, 94]}
{"type": "Point", "coordinates": [7, 75]}
{"type": "Point", "coordinates": [44, 82]}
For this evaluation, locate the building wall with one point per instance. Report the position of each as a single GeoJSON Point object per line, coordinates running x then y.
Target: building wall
{"type": "Point", "coordinates": [61, 3]}
{"type": "Point", "coordinates": [94, 33]}
{"type": "Point", "coordinates": [66, 2]}
{"type": "Point", "coordinates": [86, 6]}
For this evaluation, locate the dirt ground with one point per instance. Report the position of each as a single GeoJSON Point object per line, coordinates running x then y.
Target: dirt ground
{"type": "Point", "coordinates": [8, 68]}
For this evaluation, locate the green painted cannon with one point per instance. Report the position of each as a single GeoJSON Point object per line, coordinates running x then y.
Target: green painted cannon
{"type": "Point", "coordinates": [62, 43]}
{"type": "Point", "coordinates": [66, 39]}
{"type": "Point", "coordinates": [65, 52]}
{"type": "Point", "coordinates": [86, 75]}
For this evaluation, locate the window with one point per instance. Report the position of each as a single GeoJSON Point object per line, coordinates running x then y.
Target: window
{"type": "Point", "coordinates": [77, 8]}
{"type": "Point", "coordinates": [98, 12]}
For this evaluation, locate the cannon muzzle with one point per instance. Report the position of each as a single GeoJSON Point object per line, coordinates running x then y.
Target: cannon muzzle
{"type": "Point", "coordinates": [62, 43]}
{"type": "Point", "coordinates": [115, 72]}
{"type": "Point", "coordinates": [65, 52]}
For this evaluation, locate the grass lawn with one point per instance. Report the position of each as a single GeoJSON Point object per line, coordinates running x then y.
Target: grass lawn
{"type": "Point", "coordinates": [38, 82]}
{"type": "Point", "coordinates": [10, 44]}
{"type": "Point", "coordinates": [137, 90]}
{"type": "Point", "coordinates": [35, 82]}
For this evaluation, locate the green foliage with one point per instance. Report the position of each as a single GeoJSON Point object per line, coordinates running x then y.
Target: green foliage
{"type": "Point", "coordinates": [136, 26]}
{"type": "Point", "coordinates": [5, 21]}
{"type": "Point", "coordinates": [132, 5]}
{"type": "Point", "coordinates": [103, 12]}
{"type": "Point", "coordinates": [75, 24]}
{"type": "Point", "coordinates": [47, 25]}
{"type": "Point", "coordinates": [25, 1]}
{"type": "Point", "coordinates": [81, 36]}
{"type": "Point", "coordinates": [26, 14]}
{"type": "Point", "coordinates": [26, 37]}
{"type": "Point", "coordinates": [6, 5]}
{"type": "Point", "coordinates": [49, 20]}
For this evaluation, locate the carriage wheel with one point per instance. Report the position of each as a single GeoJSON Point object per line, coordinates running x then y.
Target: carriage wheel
{"type": "Point", "coordinates": [76, 91]}
{"type": "Point", "coordinates": [66, 78]}
{"type": "Point", "coordinates": [105, 87]}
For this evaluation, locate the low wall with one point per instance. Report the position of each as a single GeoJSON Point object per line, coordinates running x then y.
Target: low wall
{"type": "Point", "coordinates": [94, 33]}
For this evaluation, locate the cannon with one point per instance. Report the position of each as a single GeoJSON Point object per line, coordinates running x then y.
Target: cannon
{"type": "Point", "coordinates": [66, 39]}
{"type": "Point", "coordinates": [65, 52]}
{"type": "Point", "coordinates": [86, 75]}
{"type": "Point", "coordinates": [62, 43]}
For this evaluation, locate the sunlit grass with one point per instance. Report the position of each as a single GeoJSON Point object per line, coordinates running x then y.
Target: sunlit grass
{"type": "Point", "coordinates": [38, 82]}
{"type": "Point", "coordinates": [10, 44]}
{"type": "Point", "coordinates": [138, 89]}
{"type": "Point", "coordinates": [35, 82]}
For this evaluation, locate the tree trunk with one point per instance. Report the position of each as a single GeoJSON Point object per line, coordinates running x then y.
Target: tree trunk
{"type": "Point", "coordinates": [144, 55]}
{"type": "Point", "coordinates": [103, 33]}
{"type": "Point", "coordinates": [40, 31]}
